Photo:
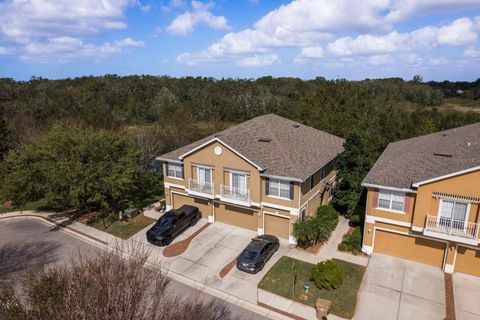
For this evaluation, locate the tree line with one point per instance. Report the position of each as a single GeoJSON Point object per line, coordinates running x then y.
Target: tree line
{"type": "Point", "coordinates": [159, 114]}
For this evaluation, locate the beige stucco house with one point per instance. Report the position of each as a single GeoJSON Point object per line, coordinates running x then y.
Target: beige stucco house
{"type": "Point", "coordinates": [423, 200]}
{"type": "Point", "coordinates": [262, 175]}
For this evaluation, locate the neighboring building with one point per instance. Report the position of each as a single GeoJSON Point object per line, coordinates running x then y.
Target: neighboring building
{"type": "Point", "coordinates": [262, 175]}
{"type": "Point", "coordinates": [423, 200]}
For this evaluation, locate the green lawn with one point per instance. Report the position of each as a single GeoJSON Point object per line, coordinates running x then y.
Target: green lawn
{"type": "Point", "coordinates": [122, 229]}
{"type": "Point", "coordinates": [279, 280]}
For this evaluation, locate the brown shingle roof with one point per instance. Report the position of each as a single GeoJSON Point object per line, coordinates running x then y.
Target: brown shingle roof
{"type": "Point", "coordinates": [410, 161]}
{"type": "Point", "coordinates": [294, 150]}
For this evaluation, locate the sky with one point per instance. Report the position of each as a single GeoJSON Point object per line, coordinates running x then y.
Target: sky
{"type": "Point", "coordinates": [351, 39]}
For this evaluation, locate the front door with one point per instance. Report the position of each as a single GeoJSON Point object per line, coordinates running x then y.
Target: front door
{"type": "Point", "coordinates": [204, 177]}
{"type": "Point", "coordinates": [239, 184]}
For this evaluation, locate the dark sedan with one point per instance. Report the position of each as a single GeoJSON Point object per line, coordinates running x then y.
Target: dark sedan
{"type": "Point", "coordinates": [171, 224]}
{"type": "Point", "coordinates": [257, 253]}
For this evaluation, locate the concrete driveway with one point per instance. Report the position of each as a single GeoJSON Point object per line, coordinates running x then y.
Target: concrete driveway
{"type": "Point", "coordinates": [209, 252]}
{"type": "Point", "coordinates": [467, 292]}
{"type": "Point", "coordinates": [399, 289]}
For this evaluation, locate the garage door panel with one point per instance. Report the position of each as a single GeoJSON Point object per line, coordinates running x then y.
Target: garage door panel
{"type": "Point", "coordinates": [202, 204]}
{"type": "Point", "coordinates": [410, 248]}
{"type": "Point", "coordinates": [236, 216]}
{"type": "Point", "coordinates": [468, 261]}
{"type": "Point", "coordinates": [277, 226]}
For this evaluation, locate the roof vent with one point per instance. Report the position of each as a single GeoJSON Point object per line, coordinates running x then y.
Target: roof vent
{"type": "Point", "coordinates": [296, 125]}
{"type": "Point", "coordinates": [264, 140]}
{"type": "Point", "coordinates": [442, 154]}
{"type": "Point", "coordinates": [445, 134]}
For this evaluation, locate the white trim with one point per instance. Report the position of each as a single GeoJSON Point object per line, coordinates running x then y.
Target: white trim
{"type": "Point", "coordinates": [417, 184]}
{"type": "Point", "coordinates": [417, 229]}
{"type": "Point", "coordinates": [175, 178]}
{"type": "Point", "coordinates": [281, 198]}
{"type": "Point", "coordinates": [260, 231]}
{"type": "Point", "coordinates": [226, 145]}
{"type": "Point", "coordinates": [293, 211]}
{"type": "Point", "coordinates": [280, 177]}
{"type": "Point", "coordinates": [211, 219]}
{"type": "Point", "coordinates": [168, 160]}
{"type": "Point", "coordinates": [369, 185]}
{"type": "Point", "coordinates": [373, 219]}
{"type": "Point", "coordinates": [390, 210]}
{"type": "Point", "coordinates": [448, 268]}
{"type": "Point", "coordinates": [173, 185]}
{"type": "Point", "coordinates": [455, 256]}
{"type": "Point", "coordinates": [276, 214]}
{"type": "Point", "coordinates": [168, 207]}
{"type": "Point", "coordinates": [367, 249]}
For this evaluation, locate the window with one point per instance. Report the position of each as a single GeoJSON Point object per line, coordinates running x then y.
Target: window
{"type": "Point", "coordinates": [453, 210]}
{"type": "Point", "coordinates": [312, 181]}
{"type": "Point", "coordinates": [302, 214]}
{"type": "Point", "coordinates": [238, 181]}
{"type": "Point", "coordinates": [390, 200]}
{"type": "Point", "coordinates": [280, 188]}
{"type": "Point", "coordinates": [204, 174]}
{"type": "Point", "coordinates": [175, 170]}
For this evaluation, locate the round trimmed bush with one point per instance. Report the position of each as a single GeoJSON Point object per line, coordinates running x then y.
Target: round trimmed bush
{"type": "Point", "coordinates": [327, 275]}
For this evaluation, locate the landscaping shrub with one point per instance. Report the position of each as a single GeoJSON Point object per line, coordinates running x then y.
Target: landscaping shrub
{"type": "Point", "coordinates": [352, 242]}
{"type": "Point", "coordinates": [317, 228]}
{"type": "Point", "coordinates": [327, 275]}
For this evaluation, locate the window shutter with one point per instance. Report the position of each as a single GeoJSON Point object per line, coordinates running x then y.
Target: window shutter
{"type": "Point", "coordinates": [291, 190]}
{"type": "Point", "coordinates": [166, 167]}
{"type": "Point", "coordinates": [267, 186]}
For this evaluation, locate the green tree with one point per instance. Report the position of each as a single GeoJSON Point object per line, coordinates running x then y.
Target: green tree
{"type": "Point", "coordinates": [353, 164]}
{"type": "Point", "coordinates": [81, 169]}
{"type": "Point", "coordinates": [7, 140]}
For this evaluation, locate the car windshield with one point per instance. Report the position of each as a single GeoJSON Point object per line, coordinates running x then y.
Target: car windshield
{"type": "Point", "coordinates": [249, 254]}
{"type": "Point", "coordinates": [165, 223]}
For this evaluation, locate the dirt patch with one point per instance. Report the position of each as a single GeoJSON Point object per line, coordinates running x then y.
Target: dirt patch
{"type": "Point", "coordinates": [225, 270]}
{"type": "Point", "coordinates": [312, 249]}
{"type": "Point", "coordinates": [8, 204]}
{"type": "Point", "coordinates": [449, 298]}
{"type": "Point", "coordinates": [180, 247]}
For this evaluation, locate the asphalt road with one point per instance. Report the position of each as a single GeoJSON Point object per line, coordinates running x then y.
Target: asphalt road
{"type": "Point", "coordinates": [27, 242]}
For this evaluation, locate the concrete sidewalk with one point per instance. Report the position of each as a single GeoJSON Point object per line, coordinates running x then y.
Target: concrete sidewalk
{"type": "Point", "coordinates": [329, 249]}
{"type": "Point", "coordinates": [226, 291]}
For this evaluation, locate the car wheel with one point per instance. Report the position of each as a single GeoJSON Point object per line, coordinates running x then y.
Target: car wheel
{"type": "Point", "coordinates": [193, 221]}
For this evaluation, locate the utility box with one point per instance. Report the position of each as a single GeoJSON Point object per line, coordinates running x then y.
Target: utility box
{"type": "Point", "coordinates": [323, 307]}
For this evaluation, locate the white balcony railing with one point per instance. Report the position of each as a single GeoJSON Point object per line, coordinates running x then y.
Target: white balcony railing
{"type": "Point", "coordinates": [239, 195]}
{"type": "Point", "coordinates": [201, 188]}
{"type": "Point", "coordinates": [451, 227]}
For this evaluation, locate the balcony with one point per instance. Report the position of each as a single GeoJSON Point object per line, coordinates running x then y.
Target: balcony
{"type": "Point", "coordinates": [451, 229]}
{"type": "Point", "coordinates": [235, 195]}
{"type": "Point", "coordinates": [201, 189]}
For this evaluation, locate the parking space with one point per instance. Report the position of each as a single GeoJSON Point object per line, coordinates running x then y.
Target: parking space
{"type": "Point", "coordinates": [467, 291]}
{"type": "Point", "coordinates": [209, 252]}
{"type": "Point", "coordinates": [394, 289]}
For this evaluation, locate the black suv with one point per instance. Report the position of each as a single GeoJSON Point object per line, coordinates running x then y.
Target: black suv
{"type": "Point", "coordinates": [256, 254]}
{"type": "Point", "coordinates": [172, 223]}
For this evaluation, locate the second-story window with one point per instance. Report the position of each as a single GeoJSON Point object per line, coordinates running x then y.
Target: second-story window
{"type": "Point", "coordinates": [312, 181]}
{"type": "Point", "coordinates": [175, 170]}
{"type": "Point", "coordinates": [280, 188]}
{"type": "Point", "coordinates": [390, 200]}
{"type": "Point", "coordinates": [238, 181]}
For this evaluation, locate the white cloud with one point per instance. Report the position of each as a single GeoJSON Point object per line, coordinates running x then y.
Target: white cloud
{"type": "Point", "coordinates": [65, 49]}
{"type": "Point", "coordinates": [308, 53]}
{"type": "Point", "coordinates": [404, 9]}
{"type": "Point", "coordinates": [472, 53]}
{"type": "Point", "coordinates": [459, 33]}
{"type": "Point", "coordinates": [185, 23]}
{"type": "Point", "coordinates": [4, 50]}
{"type": "Point", "coordinates": [52, 30]}
{"type": "Point", "coordinates": [381, 60]}
{"type": "Point", "coordinates": [20, 21]}
{"type": "Point", "coordinates": [258, 60]}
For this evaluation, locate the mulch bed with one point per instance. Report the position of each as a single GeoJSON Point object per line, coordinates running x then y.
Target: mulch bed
{"type": "Point", "coordinates": [225, 270]}
{"type": "Point", "coordinates": [449, 297]}
{"type": "Point", "coordinates": [312, 249]}
{"type": "Point", "coordinates": [180, 247]}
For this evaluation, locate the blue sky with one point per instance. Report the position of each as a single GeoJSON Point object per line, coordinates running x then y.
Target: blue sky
{"type": "Point", "coordinates": [352, 39]}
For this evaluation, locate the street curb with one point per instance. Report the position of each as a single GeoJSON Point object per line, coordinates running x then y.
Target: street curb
{"type": "Point", "coordinates": [256, 308]}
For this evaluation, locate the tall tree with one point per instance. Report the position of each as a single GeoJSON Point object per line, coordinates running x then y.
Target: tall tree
{"type": "Point", "coordinates": [353, 164]}
{"type": "Point", "coordinates": [7, 140]}
{"type": "Point", "coordinates": [83, 169]}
